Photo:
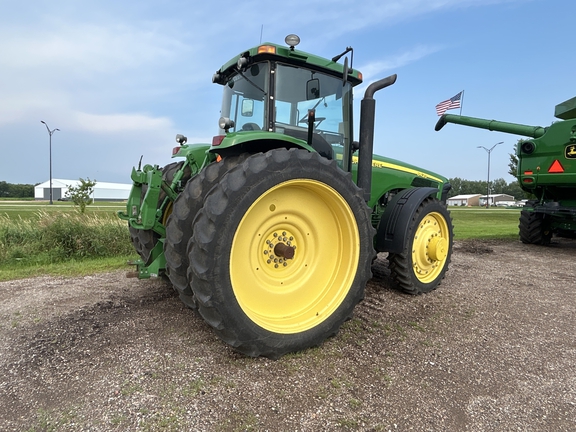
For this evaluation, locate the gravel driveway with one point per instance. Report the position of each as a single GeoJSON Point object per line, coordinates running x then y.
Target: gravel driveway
{"type": "Point", "coordinates": [493, 348]}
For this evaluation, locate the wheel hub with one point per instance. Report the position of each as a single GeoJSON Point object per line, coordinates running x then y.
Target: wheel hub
{"type": "Point", "coordinates": [430, 247]}
{"type": "Point", "coordinates": [279, 248]}
{"type": "Point", "coordinates": [438, 248]}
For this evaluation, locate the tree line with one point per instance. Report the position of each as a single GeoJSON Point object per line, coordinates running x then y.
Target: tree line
{"type": "Point", "coordinates": [498, 186]}
{"type": "Point", "coordinates": [9, 190]}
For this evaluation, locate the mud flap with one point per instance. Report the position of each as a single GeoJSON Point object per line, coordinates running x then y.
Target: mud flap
{"type": "Point", "coordinates": [392, 233]}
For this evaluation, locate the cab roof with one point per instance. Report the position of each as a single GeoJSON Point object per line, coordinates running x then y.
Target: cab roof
{"type": "Point", "coordinates": [271, 51]}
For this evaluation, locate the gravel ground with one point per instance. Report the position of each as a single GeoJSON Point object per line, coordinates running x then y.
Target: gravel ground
{"type": "Point", "coordinates": [493, 348]}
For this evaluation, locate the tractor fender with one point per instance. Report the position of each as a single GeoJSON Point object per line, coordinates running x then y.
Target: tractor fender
{"type": "Point", "coordinates": [392, 233]}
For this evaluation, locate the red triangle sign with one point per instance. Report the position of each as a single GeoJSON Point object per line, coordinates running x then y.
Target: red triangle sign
{"type": "Point", "coordinates": [556, 167]}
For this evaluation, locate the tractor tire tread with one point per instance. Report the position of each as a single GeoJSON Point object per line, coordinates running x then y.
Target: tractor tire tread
{"type": "Point", "coordinates": [203, 245]}
{"type": "Point", "coordinates": [179, 227]}
{"type": "Point", "coordinates": [400, 264]}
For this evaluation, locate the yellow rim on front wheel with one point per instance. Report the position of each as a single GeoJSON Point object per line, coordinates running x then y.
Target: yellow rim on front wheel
{"type": "Point", "coordinates": [430, 247]}
{"type": "Point", "coordinates": [294, 256]}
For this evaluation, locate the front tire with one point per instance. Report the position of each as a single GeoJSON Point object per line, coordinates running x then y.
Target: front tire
{"type": "Point", "coordinates": [424, 261]}
{"type": "Point", "coordinates": [281, 252]}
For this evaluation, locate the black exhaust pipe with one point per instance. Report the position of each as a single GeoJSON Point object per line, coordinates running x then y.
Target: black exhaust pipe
{"type": "Point", "coordinates": [367, 117]}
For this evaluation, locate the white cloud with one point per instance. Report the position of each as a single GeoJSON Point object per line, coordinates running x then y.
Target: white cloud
{"type": "Point", "coordinates": [114, 123]}
{"type": "Point", "coordinates": [83, 45]}
{"type": "Point", "coordinates": [376, 68]}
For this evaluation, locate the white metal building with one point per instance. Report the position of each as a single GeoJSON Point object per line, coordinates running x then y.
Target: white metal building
{"type": "Point", "coordinates": [102, 191]}
{"type": "Point", "coordinates": [497, 200]}
{"type": "Point", "coordinates": [464, 200]}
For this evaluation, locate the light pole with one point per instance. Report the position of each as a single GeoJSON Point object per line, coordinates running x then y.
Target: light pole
{"type": "Point", "coordinates": [488, 180]}
{"type": "Point", "coordinates": [50, 132]}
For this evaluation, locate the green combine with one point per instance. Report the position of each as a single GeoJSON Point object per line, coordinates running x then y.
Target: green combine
{"type": "Point", "coordinates": [270, 230]}
{"type": "Point", "coordinates": [546, 169]}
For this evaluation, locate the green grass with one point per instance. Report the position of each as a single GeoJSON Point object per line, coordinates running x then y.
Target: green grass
{"type": "Point", "coordinates": [31, 209]}
{"type": "Point", "coordinates": [36, 238]}
{"type": "Point", "coordinates": [83, 267]}
{"type": "Point", "coordinates": [483, 223]}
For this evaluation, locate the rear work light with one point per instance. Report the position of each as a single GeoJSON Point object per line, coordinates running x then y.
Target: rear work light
{"type": "Point", "coordinates": [556, 167]}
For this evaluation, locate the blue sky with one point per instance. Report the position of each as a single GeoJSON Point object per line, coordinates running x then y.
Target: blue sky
{"type": "Point", "coordinates": [120, 79]}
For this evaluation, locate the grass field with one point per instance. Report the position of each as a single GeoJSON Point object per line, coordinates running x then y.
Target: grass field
{"type": "Point", "coordinates": [483, 223]}
{"type": "Point", "coordinates": [31, 209]}
{"type": "Point", "coordinates": [99, 241]}
{"type": "Point", "coordinates": [38, 238]}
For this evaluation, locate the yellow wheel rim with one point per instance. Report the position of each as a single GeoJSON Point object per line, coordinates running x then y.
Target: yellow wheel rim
{"type": "Point", "coordinates": [295, 286]}
{"type": "Point", "coordinates": [430, 247]}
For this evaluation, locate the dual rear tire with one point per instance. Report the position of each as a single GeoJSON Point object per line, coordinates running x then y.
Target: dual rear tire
{"type": "Point", "coordinates": [279, 252]}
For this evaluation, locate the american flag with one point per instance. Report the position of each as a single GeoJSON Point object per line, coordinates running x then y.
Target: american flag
{"type": "Point", "coordinates": [452, 103]}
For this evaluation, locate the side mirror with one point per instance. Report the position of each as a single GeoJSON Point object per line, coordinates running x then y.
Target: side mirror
{"type": "Point", "coordinates": [247, 108]}
{"type": "Point", "coordinates": [313, 89]}
{"type": "Point", "coordinates": [346, 70]}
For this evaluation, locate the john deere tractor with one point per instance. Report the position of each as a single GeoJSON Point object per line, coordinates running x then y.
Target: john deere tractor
{"type": "Point", "coordinates": [546, 169]}
{"type": "Point", "coordinates": [270, 230]}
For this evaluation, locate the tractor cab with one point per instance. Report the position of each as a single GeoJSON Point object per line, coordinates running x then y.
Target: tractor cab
{"type": "Point", "coordinates": [276, 96]}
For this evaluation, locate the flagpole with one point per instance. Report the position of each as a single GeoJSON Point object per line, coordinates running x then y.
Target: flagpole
{"type": "Point", "coordinates": [461, 102]}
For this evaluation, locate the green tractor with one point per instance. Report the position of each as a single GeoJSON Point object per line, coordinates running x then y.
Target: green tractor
{"type": "Point", "coordinates": [269, 232]}
{"type": "Point", "coordinates": [546, 169]}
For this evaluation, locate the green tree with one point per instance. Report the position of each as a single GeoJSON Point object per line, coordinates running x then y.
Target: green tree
{"type": "Point", "coordinates": [10, 190]}
{"type": "Point", "coordinates": [80, 195]}
{"type": "Point", "coordinates": [498, 186]}
{"type": "Point", "coordinates": [513, 164]}
{"type": "Point", "coordinates": [4, 189]}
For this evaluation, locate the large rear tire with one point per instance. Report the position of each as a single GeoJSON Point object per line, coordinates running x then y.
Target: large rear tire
{"type": "Point", "coordinates": [534, 228]}
{"type": "Point", "coordinates": [145, 240]}
{"type": "Point", "coordinates": [424, 261]}
{"type": "Point", "coordinates": [281, 252]}
{"type": "Point", "coordinates": [180, 223]}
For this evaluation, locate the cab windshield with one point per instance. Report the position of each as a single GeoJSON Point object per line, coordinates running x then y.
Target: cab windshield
{"type": "Point", "coordinates": [299, 90]}
{"type": "Point", "coordinates": [247, 99]}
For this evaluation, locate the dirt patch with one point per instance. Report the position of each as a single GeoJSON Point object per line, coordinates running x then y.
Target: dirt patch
{"type": "Point", "coordinates": [493, 348]}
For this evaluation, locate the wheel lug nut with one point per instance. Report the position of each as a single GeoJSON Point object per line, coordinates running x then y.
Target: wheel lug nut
{"type": "Point", "coordinates": [275, 235]}
{"type": "Point", "coordinates": [285, 264]}
{"type": "Point", "coordinates": [284, 233]}
{"type": "Point", "coordinates": [265, 252]}
{"type": "Point", "coordinates": [275, 265]}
